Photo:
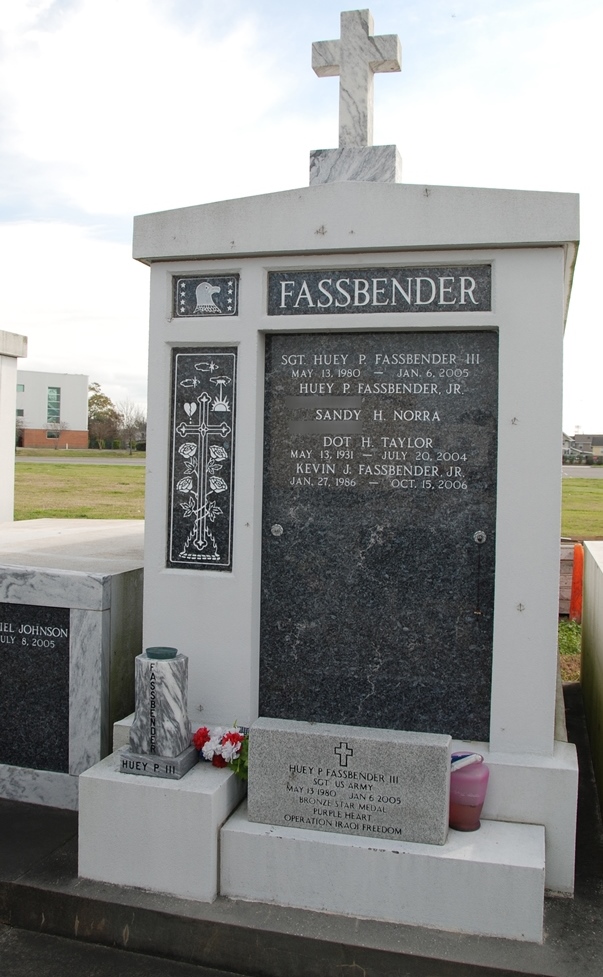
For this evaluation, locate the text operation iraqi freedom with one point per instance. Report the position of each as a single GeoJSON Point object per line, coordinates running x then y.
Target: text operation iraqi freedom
{"type": "Point", "coordinates": [362, 290]}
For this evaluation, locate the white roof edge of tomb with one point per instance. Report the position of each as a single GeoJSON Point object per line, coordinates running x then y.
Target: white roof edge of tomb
{"type": "Point", "coordinates": [12, 344]}
{"type": "Point", "coordinates": [361, 216]}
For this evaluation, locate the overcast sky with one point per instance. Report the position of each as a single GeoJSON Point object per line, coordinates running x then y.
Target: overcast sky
{"type": "Point", "coordinates": [112, 108]}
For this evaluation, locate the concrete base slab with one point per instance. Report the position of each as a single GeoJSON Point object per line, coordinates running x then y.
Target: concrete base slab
{"type": "Point", "coordinates": [537, 790]}
{"type": "Point", "coordinates": [154, 833]}
{"type": "Point", "coordinates": [86, 545]}
{"type": "Point", "coordinates": [488, 883]}
{"type": "Point", "coordinates": [524, 788]}
{"type": "Point", "coordinates": [39, 787]}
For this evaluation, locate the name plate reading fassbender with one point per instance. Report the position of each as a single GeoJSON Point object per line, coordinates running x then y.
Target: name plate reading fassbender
{"type": "Point", "coordinates": [371, 783]}
{"type": "Point", "coordinates": [345, 291]}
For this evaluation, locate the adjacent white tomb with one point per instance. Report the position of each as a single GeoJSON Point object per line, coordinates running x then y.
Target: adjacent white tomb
{"type": "Point", "coordinates": [70, 628]}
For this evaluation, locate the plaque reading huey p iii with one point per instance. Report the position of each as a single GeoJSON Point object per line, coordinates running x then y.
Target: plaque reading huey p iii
{"type": "Point", "coordinates": [378, 529]}
{"type": "Point", "coordinates": [202, 458]}
{"type": "Point", "coordinates": [34, 686]}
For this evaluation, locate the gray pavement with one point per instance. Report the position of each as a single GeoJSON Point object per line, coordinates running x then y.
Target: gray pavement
{"type": "Point", "coordinates": [582, 471]}
{"type": "Point", "coordinates": [24, 953]}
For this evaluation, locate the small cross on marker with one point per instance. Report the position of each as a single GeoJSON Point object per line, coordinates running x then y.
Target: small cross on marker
{"type": "Point", "coordinates": [343, 751]}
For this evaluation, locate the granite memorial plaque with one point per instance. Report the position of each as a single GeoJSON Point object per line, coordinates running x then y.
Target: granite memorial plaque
{"type": "Point", "coordinates": [350, 291]}
{"type": "Point", "coordinates": [378, 529]}
{"type": "Point", "coordinates": [373, 783]}
{"type": "Point", "coordinates": [202, 458]}
{"type": "Point", "coordinates": [216, 295]}
{"type": "Point", "coordinates": [34, 686]}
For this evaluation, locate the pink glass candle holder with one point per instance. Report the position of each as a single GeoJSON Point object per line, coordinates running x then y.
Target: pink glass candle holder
{"type": "Point", "coordinates": [468, 783]}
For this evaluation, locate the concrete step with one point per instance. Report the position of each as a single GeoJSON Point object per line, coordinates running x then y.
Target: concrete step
{"type": "Point", "coordinates": [487, 883]}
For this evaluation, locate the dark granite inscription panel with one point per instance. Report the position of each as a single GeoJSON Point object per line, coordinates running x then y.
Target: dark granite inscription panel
{"type": "Point", "coordinates": [202, 458]}
{"type": "Point", "coordinates": [378, 529]}
{"type": "Point", "coordinates": [34, 686]}
{"type": "Point", "coordinates": [214, 295]}
{"type": "Point", "coordinates": [349, 291]}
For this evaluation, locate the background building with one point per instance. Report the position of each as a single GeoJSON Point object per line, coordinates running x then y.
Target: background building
{"type": "Point", "coordinates": [584, 448]}
{"type": "Point", "coordinates": [52, 410]}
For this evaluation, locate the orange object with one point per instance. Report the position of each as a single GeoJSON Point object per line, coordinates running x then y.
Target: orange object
{"type": "Point", "coordinates": [575, 608]}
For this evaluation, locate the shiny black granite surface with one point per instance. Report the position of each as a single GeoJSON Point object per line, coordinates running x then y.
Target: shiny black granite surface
{"type": "Point", "coordinates": [379, 529]}
{"type": "Point", "coordinates": [358, 291]}
{"type": "Point", "coordinates": [200, 523]}
{"type": "Point", "coordinates": [34, 686]}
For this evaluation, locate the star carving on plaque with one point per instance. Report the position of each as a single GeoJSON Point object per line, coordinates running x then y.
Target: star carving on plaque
{"type": "Point", "coordinates": [205, 295]}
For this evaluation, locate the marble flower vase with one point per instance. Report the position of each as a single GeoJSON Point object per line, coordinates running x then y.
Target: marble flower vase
{"type": "Point", "coordinates": [160, 737]}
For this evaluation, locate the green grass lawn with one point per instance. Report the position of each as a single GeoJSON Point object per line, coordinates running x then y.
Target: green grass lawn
{"type": "Point", "coordinates": [570, 637]}
{"type": "Point", "coordinates": [79, 491]}
{"type": "Point", "coordinates": [117, 492]}
{"type": "Point", "coordinates": [582, 508]}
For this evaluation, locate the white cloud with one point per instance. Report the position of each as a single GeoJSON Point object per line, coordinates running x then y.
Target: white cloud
{"type": "Point", "coordinates": [81, 302]}
{"type": "Point", "coordinates": [19, 15]}
{"type": "Point", "coordinates": [134, 107]}
{"type": "Point", "coordinates": [117, 107]}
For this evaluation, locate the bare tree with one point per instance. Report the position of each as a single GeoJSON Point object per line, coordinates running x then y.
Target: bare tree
{"type": "Point", "coordinates": [133, 426]}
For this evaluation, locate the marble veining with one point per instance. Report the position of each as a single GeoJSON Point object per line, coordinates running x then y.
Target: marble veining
{"type": "Point", "coordinates": [161, 725]}
{"type": "Point", "coordinates": [126, 644]}
{"type": "Point", "coordinates": [68, 638]}
{"type": "Point", "coordinates": [89, 652]}
{"type": "Point", "coordinates": [59, 588]}
{"type": "Point", "coordinates": [356, 58]}
{"type": "Point", "coordinates": [372, 164]}
{"type": "Point", "coordinates": [39, 787]}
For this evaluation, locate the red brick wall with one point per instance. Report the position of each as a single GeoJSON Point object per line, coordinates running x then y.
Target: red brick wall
{"type": "Point", "coordinates": [33, 438]}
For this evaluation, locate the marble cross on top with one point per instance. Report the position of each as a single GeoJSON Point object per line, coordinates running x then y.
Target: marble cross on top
{"type": "Point", "coordinates": [355, 58]}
